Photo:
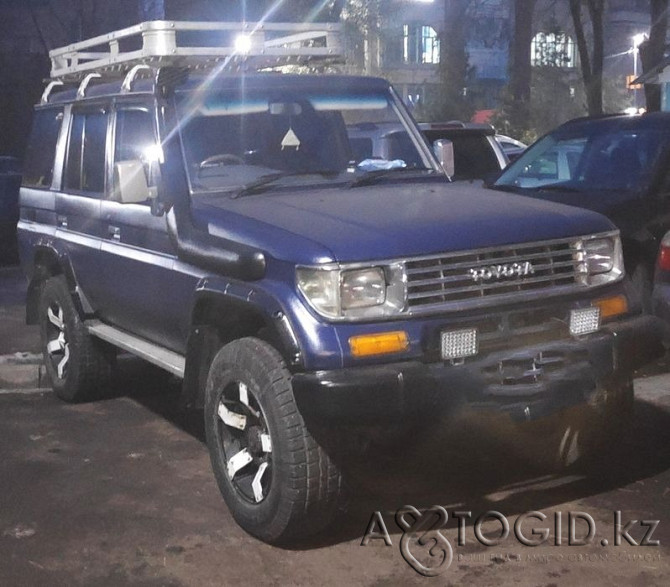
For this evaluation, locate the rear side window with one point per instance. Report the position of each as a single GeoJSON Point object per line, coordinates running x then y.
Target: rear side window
{"type": "Point", "coordinates": [135, 139]}
{"type": "Point", "coordinates": [39, 162]}
{"type": "Point", "coordinates": [85, 163]}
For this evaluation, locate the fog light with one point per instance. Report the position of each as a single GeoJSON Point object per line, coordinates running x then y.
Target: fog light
{"type": "Point", "coordinates": [378, 344]}
{"type": "Point", "coordinates": [458, 344]}
{"type": "Point", "coordinates": [584, 320]}
{"type": "Point", "coordinates": [612, 306]}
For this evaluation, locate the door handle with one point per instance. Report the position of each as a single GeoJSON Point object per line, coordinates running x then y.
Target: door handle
{"type": "Point", "coordinates": [114, 232]}
{"type": "Point", "coordinates": [61, 221]}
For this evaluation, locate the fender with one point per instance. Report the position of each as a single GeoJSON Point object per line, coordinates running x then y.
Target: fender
{"type": "Point", "coordinates": [48, 261]}
{"type": "Point", "coordinates": [223, 310]}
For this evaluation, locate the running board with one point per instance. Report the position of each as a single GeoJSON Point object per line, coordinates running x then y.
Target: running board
{"type": "Point", "coordinates": [168, 360]}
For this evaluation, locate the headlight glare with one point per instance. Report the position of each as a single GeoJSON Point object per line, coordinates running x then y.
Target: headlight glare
{"type": "Point", "coordinates": [362, 288]}
{"type": "Point", "coordinates": [601, 259]}
{"type": "Point", "coordinates": [599, 255]}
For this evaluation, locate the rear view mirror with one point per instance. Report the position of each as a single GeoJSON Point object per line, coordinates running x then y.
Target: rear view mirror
{"type": "Point", "coordinates": [444, 151]}
{"type": "Point", "coordinates": [130, 183]}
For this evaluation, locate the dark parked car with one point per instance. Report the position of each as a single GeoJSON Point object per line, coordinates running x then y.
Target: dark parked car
{"type": "Point", "coordinates": [10, 181]}
{"type": "Point", "coordinates": [617, 165]}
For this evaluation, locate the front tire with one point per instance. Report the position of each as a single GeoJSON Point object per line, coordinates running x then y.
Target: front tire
{"type": "Point", "coordinates": [78, 364]}
{"type": "Point", "coordinates": [278, 483]}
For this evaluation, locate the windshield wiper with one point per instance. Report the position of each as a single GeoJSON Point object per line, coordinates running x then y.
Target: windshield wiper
{"type": "Point", "coordinates": [371, 177]}
{"type": "Point", "coordinates": [269, 178]}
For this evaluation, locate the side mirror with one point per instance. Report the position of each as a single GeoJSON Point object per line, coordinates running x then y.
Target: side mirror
{"type": "Point", "coordinates": [444, 151]}
{"type": "Point", "coordinates": [130, 183]}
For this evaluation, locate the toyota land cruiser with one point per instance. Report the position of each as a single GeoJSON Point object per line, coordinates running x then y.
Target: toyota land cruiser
{"type": "Point", "coordinates": [218, 224]}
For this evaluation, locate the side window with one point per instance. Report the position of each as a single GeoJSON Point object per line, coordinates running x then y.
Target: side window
{"type": "Point", "coordinates": [136, 141]}
{"type": "Point", "coordinates": [39, 162]}
{"type": "Point", "coordinates": [558, 164]}
{"type": "Point", "coordinates": [85, 163]}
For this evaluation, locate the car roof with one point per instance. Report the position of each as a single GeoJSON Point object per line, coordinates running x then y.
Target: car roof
{"type": "Point", "coordinates": [456, 128]}
{"type": "Point", "coordinates": [647, 120]}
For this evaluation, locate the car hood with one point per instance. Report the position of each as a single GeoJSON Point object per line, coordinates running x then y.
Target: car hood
{"type": "Point", "coordinates": [387, 221]}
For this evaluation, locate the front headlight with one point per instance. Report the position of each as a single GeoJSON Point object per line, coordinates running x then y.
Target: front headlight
{"type": "Point", "coordinates": [601, 259]}
{"type": "Point", "coordinates": [354, 292]}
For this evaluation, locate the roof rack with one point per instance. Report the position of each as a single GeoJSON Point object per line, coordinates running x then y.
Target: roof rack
{"type": "Point", "coordinates": [197, 45]}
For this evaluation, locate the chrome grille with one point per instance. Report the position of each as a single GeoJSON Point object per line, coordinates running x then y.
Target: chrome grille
{"type": "Point", "coordinates": [433, 282]}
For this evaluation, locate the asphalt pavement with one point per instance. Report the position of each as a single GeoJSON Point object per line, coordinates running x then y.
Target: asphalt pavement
{"type": "Point", "coordinates": [120, 492]}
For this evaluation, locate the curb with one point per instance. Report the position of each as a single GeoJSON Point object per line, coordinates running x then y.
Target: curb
{"type": "Point", "coordinates": [22, 371]}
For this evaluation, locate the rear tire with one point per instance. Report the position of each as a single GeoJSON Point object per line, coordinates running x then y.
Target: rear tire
{"type": "Point", "coordinates": [78, 364]}
{"type": "Point", "coordinates": [278, 483]}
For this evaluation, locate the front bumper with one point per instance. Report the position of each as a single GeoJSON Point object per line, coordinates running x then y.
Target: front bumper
{"type": "Point", "coordinates": [525, 382]}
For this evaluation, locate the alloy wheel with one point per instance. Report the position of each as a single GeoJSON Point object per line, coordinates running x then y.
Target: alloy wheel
{"type": "Point", "coordinates": [246, 442]}
{"type": "Point", "coordinates": [58, 347]}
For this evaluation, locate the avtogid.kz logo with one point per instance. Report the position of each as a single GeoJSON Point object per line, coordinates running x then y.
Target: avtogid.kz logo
{"type": "Point", "coordinates": [429, 552]}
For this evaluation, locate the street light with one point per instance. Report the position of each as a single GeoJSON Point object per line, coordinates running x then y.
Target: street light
{"type": "Point", "coordinates": [637, 41]}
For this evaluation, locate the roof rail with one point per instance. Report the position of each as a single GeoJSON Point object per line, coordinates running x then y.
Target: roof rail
{"type": "Point", "coordinates": [50, 88]}
{"type": "Point", "coordinates": [198, 45]}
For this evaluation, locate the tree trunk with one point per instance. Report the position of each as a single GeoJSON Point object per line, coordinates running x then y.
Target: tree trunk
{"type": "Point", "coordinates": [520, 66]}
{"type": "Point", "coordinates": [591, 62]}
{"type": "Point", "coordinates": [652, 51]}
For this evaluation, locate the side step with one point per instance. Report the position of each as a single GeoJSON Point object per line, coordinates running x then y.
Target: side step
{"type": "Point", "coordinates": [168, 360]}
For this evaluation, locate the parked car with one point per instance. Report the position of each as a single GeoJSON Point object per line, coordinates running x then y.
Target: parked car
{"type": "Point", "coordinates": [511, 147]}
{"type": "Point", "coordinates": [229, 228]}
{"type": "Point", "coordinates": [10, 181]}
{"type": "Point", "coordinates": [476, 154]}
{"type": "Point", "coordinates": [661, 291]}
{"type": "Point", "coordinates": [617, 165]}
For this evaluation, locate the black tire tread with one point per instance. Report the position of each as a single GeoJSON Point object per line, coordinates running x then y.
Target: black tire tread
{"type": "Point", "coordinates": [89, 367]}
{"type": "Point", "coordinates": [315, 486]}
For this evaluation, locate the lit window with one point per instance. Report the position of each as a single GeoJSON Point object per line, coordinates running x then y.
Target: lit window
{"type": "Point", "coordinates": [552, 49]}
{"type": "Point", "coordinates": [420, 44]}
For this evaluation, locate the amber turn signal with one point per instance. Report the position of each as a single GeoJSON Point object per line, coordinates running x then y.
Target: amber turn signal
{"type": "Point", "coordinates": [612, 306]}
{"type": "Point", "coordinates": [366, 345]}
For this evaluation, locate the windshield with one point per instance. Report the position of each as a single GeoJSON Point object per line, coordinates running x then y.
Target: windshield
{"type": "Point", "coordinates": [589, 157]}
{"type": "Point", "coordinates": [232, 140]}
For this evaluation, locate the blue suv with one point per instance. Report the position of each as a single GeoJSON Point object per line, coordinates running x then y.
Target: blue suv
{"type": "Point", "coordinates": [221, 226]}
